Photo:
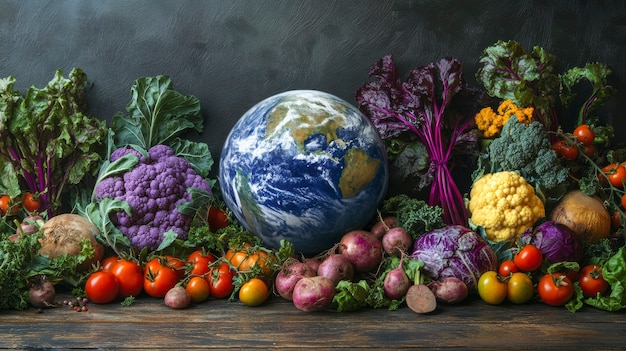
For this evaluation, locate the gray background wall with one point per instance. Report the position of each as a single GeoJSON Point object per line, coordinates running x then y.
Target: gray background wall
{"type": "Point", "coordinates": [232, 54]}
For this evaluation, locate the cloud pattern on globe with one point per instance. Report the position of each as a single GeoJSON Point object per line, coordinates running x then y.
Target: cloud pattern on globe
{"type": "Point", "coordinates": [304, 166]}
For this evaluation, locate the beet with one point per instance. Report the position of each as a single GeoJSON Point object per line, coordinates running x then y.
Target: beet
{"type": "Point", "coordinates": [396, 283]}
{"type": "Point", "coordinates": [336, 267]}
{"type": "Point", "coordinates": [313, 294]}
{"type": "Point", "coordinates": [397, 241]}
{"type": "Point", "coordinates": [41, 293]}
{"type": "Point", "coordinates": [287, 278]}
{"type": "Point", "coordinates": [362, 249]}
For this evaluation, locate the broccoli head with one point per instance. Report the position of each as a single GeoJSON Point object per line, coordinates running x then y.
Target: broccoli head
{"type": "Point", "coordinates": [153, 189]}
{"type": "Point", "coordinates": [525, 148]}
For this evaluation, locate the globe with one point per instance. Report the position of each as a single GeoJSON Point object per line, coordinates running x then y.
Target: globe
{"type": "Point", "coordinates": [303, 166]}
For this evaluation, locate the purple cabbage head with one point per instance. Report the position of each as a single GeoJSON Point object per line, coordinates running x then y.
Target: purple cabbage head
{"type": "Point", "coordinates": [455, 251]}
{"type": "Point", "coordinates": [556, 241]}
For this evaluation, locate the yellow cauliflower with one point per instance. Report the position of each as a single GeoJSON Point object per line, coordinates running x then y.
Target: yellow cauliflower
{"type": "Point", "coordinates": [504, 204]}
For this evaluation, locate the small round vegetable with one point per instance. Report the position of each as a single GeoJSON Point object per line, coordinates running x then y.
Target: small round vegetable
{"type": "Point", "coordinates": [200, 261]}
{"type": "Point", "coordinates": [30, 202]}
{"type": "Point", "coordinates": [420, 299]}
{"type": "Point", "coordinates": [491, 288]}
{"type": "Point", "coordinates": [362, 249]}
{"type": "Point", "coordinates": [589, 150]}
{"type": "Point", "coordinates": [529, 258]}
{"type": "Point", "coordinates": [507, 267]}
{"type": "Point", "coordinates": [555, 289]}
{"type": "Point", "coordinates": [253, 292]}
{"type": "Point", "coordinates": [450, 290]}
{"type": "Point", "coordinates": [217, 219]}
{"type": "Point", "coordinates": [585, 215]}
{"type": "Point", "coordinates": [584, 134]}
{"type": "Point", "coordinates": [198, 289]}
{"type": "Point", "coordinates": [520, 288]}
{"type": "Point", "coordinates": [313, 293]}
{"type": "Point", "coordinates": [41, 293]}
{"type": "Point", "coordinates": [177, 298]}
{"type": "Point", "coordinates": [221, 281]}
{"type": "Point", "coordinates": [616, 174]}
{"type": "Point", "coordinates": [336, 267]}
{"type": "Point", "coordinates": [108, 263]}
{"type": "Point", "coordinates": [397, 242]}
{"type": "Point", "coordinates": [382, 226]}
{"type": "Point", "coordinates": [289, 275]}
{"type": "Point", "coordinates": [130, 278]}
{"type": "Point", "coordinates": [396, 283]}
{"type": "Point", "coordinates": [591, 281]}
{"type": "Point", "coordinates": [565, 149]}
{"type": "Point", "coordinates": [623, 204]}
{"type": "Point", "coordinates": [101, 287]}
{"type": "Point", "coordinates": [158, 277]}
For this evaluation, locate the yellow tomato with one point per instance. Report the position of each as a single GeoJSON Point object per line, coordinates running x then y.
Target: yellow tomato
{"type": "Point", "coordinates": [254, 292]}
{"type": "Point", "coordinates": [491, 288]}
{"type": "Point", "coordinates": [519, 288]}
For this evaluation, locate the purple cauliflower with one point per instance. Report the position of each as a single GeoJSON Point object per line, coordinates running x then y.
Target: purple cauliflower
{"type": "Point", "coordinates": [153, 189]}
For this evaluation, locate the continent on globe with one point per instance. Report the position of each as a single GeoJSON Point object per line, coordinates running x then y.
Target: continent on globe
{"type": "Point", "coordinates": [303, 166]}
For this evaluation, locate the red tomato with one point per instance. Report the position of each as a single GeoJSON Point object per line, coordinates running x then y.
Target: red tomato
{"type": "Point", "coordinates": [507, 267]}
{"type": "Point", "coordinates": [30, 202]}
{"type": "Point", "coordinates": [6, 206]}
{"type": "Point", "coordinates": [529, 258]}
{"type": "Point", "coordinates": [217, 218]}
{"type": "Point", "coordinates": [584, 134]}
{"type": "Point", "coordinates": [589, 150]}
{"type": "Point", "coordinates": [616, 218]}
{"type": "Point", "coordinates": [108, 263]}
{"type": "Point", "coordinates": [565, 149]}
{"type": "Point", "coordinates": [159, 278]}
{"type": "Point", "coordinates": [623, 202]}
{"type": "Point", "coordinates": [198, 289]}
{"type": "Point", "coordinates": [616, 173]}
{"type": "Point", "coordinates": [177, 264]}
{"type": "Point", "coordinates": [591, 281]}
{"type": "Point", "coordinates": [555, 289]}
{"type": "Point", "coordinates": [200, 261]}
{"type": "Point", "coordinates": [101, 287]}
{"type": "Point", "coordinates": [130, 278]}
{"type": "Point", "coordinates": [221, 281]}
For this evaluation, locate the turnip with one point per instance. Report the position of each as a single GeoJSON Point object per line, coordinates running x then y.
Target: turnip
{"type": "Point", "coordinates": [449, 290]}
{"type": "Point", "coordinates": [177, 298]}
{"type": "Point", "coordinates": [63, 234]}
{"type": "Point", "coordinates": [336, 267]}
{"type": "Point", "coordinates": [289, 275]}
{"type": "Point", "coordinates": [313, 293]}
{"type": "Point", "coordinates": [396, 283]}
{"type": "Point", "coordinates": [397, 241]}
{"type": "Point", "coordinates": [362, 249]}
{"type": "Point", "coordinates": [41, 293]}
{"type": "Point", "coordinates": [383, 225]}
{"type": "Point", "coordinates": [313, 262]}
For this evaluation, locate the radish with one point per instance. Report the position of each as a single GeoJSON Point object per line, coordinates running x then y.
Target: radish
{"type": "Point", "coordinates": [396, 283]}
{"type": "Point", "coordinates": [313, 293]}
{"type": "Point", "coordinates": [383, 225]}
{"type": "Point", "coordinates": [336, 267]}
{"type": "Point", "coordinates": [313, 262]}
{"type": "Point", "coordinates": [449, 290]}
{"type": "Point", "coordinates": [177, 298]}
{"type": "Point", "coordinates": [397, 241]}
{"type": "Point", "coordinates": [289, 275]}
{"type": "Point", "coordinates": [362, 249]}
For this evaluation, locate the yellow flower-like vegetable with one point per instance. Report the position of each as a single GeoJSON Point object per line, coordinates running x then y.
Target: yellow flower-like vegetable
{"type": "Point", "coordinates": [504, 204]}
{"type": "Point", "coordinates": [491, 123]}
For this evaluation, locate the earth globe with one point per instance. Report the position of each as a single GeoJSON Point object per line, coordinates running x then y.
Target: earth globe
{"type": "Point", "coordinates": [303, 166]}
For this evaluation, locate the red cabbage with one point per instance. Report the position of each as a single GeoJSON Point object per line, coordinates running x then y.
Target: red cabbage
{"type": "Point", "coordinates": [556, 241]}
{"type": "Point", "coordinates": [455, 251]}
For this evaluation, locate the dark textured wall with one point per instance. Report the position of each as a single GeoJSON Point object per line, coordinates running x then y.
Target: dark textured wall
{"type": "Point", "coordinates": [232, 54]}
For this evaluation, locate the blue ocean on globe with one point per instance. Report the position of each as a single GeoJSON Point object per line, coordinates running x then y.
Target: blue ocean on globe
{"type": "Point", "coordinates": [303, 166]}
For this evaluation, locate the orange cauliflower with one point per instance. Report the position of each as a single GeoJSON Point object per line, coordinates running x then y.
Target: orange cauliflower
{"type": "Point", "coordinates": [504, 204]}
{"type": "Point", "coordinates": [491, 123]}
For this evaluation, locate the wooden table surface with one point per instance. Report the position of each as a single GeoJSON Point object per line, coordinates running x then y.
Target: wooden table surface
{"type": "Point", "coordinates": [220, 324]}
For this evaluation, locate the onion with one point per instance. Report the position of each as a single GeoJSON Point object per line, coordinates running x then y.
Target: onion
{"type": "Point", "coordinates": [585, 215]}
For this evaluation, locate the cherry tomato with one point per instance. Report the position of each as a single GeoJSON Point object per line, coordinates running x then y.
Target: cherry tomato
{"type": "Point", "coordinates": [507, 267]}
{"type": "Point", "coordinates": [198, 289]}
{"type": "Point", "coordinates": [246, 259]}
{"type": "Point", "coordinates": [130, 278]}
{"type": "Point", "coordinates": [584, 134]}
{"type": "Point", "coordinates": [108, 263]}
{"type": "Point", "coordinates": [589, 150]}
{"type": "Point", "coordinates": [529, 258]}
{"type": "Point", "coordinates": [616, 173]}
{"type": "Point", "coordinates": [200, 261]}
{"type": "Point", "coordinates": [520, 288]}
{"type": "Point", "coordinates": [6, 206]}
{"type": "Point", "coordinates": [218, 219]}
{"type": "Point", "coordinates": [30, 202]}
{"type": "Point", "coordinates": [623, 202]}
{"type": "Point", "coordinates": [616, 218]}
{"type": "Point", "coordinates": [159, 278]}
{"type": "Point", "coordinates": [591, 281]}
{"type": "Point", "coordinates": [101, 287]}
{"type": "Point", "coordinates": [253, 292]}
{"type": "Point", "coordinates": [492, 288]}
{"type": "Point", "coordinates": [177, 264]}
{"type": "Point", "coordinates": [565, 149]}
{"type": "Point", "coordinates": [555, 289]}
{"type": "Point", "coordinates": [221, 281]}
